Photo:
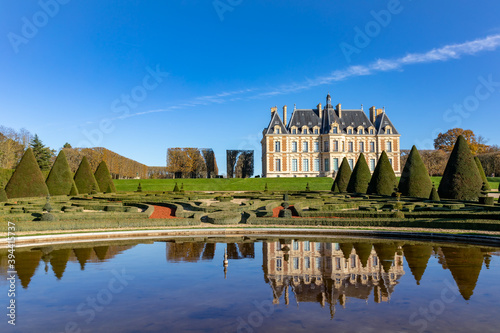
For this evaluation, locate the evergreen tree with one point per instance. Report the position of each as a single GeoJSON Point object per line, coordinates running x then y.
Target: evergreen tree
{"type": "Point", "coordinates": [383, 180]}
{"type": "Point", "coordinates": [360, 177]}
{"type": "Point", "coordinates": [42, 154]}
{"type": "Point", "coordinates": [481, 173]}
{"type": "Point", "coordinates": [415, 180]}
{"type": "Point", "coordinates": [27, 180]}
{"type": "Point", "coordinates": [343, 176]}
{"type": "Point", "coordinates": [84, 178]}
{"type": "Point", "coordinates": [60, 178]}
{"type": "Point", "coordinates": [67, 145]}
{"type": "Point", "coordinates": [103, 178]}
{"type": "Point", "coordinates": [461, 179]}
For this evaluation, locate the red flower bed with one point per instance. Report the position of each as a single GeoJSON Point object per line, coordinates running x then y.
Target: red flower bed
{"type": "Point", "coordinates": [162, 212]}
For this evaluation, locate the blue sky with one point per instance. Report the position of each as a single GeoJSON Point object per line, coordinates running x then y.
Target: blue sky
{"type": "Point", "coordinates": [138, 77]}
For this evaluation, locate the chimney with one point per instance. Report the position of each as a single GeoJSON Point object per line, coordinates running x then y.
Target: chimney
{"type": "Point", "coordinates": [372, 114]}
{"type": "Point", "coordinates": [284, 115]}
{"type": "Point", "coordinates": [320, 111]}
{"type": "Point", "coordinates": [379, 111]}
{"type": "Point", "coordinates": [339, 110]}
{"type": "Point", "coordinates": [273, 110]}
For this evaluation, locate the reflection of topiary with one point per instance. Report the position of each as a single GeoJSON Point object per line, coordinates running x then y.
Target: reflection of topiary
{"type": "Point", "coordinates": [176, 188]}
{"type": "Point", "coordinates": [27, 180]}
{"type": "Point", "coordinates": [415, 180]}
{"type": "Point", "coordinates": [461, 179]}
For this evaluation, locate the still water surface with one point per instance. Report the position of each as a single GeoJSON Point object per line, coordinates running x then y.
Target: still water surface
{"type": "Point", "coordinates": [294, 284]}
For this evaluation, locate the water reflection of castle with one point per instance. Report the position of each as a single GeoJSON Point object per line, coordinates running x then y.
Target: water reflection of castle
{"type": "Point", "coordinates": [331, 272]}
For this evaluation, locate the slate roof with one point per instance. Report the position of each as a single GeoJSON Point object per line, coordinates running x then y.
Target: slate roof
{"type": "Point", "coordinates": [382, 121]}
{"type": "Point", "coordinates": [276, 120]}
{"type": "Point", "coordinates": [349, 117]}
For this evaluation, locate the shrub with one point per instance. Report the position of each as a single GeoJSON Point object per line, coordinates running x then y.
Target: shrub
{"type": "Point", "coordinates": [360, 177]}
{"type": "Point", "coordinates": [47, 217]}
{"type": "Point", "coordinates": [3, 195]}
{"type": "Point", "coordinates": [486, 201]}
{"type": "Point", "coordinates": [383, 179]}
{"type": "Point", "coordinates": [139, 187]}
{"type": "Point", "coordinates": [434, 196]}
{"type": "Point", "coordinates": [27, 180]}
{"type": "Point", "coordinates": [84, 178]}
{"type": "Point", "coordinates": [103, 178]}
{"type": "Point", "coordinates": [176, 188]}
{"type": "Point", "coordinates": [60, 178]}
{"type": "Point", "coordinates": [461, 179]}
{"type": "Point", "coordinates": [342, 179]}
{"type": "Point", "coordinates": [481, 173]}
{"type": "Point", "coordinates": [415, 180]}
{"type": "Point", "coordinates": [224, 217]}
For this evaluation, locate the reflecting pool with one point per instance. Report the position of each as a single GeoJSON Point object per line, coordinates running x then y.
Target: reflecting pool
{"type": "Point", "coordinates": [277, 284]}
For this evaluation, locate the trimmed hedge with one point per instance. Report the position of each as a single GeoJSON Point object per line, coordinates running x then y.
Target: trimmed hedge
{"type": "Point", "coordinates": [84, 178]}
{"type": "Point", "coordinates": [360, 177]}
{"type": "Point", "coordinates": [415, 180]}
{"type": "Point", "coordinates": [383, 180]}
{"type": "Point", "coordinates": [27, 180]}
{"type": "Point", "coordinates": [60, 178]}
{"type": "Point", "coordinates": [481, 173]}
{"type": "Point", "coordinates": [343, 176]}
{"type": "Point", "coordinates": [103, 178]}
{"type": "Point", "coordinates": [461, 179]}
{"type": "Point", "coordinates": [224, 218]}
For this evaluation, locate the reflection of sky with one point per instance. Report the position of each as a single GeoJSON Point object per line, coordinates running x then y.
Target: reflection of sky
{"type": "Point", "coordinates": [181, 296]}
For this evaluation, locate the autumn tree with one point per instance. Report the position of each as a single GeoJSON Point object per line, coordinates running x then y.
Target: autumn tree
{"type": "Point", "coordinates": [240, 163]}
{"type": "Point", "coordinates": [12, 146]}
{"type": "Point", "coordinates": [446, 141]}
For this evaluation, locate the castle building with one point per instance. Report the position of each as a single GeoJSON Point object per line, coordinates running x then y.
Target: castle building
{"type": "Point", "coordinates": [315, 141]}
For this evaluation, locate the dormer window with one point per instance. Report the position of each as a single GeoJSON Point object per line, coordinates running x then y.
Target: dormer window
{"type": "Point", "coordinates": [316, 131]}
{"type": "Point", "coordinates": [349, 131]}
{"type": "Point", "coordinates": [388, 131]}
{"type": "Point", "coordinates": [277, 131]}
{"type": "Point", "coordinates": [294, 131]}
{"type": "Point", "coordinates": [360, 131]}
{"type": "Point", "coordinates": [335, 130]}
{"type": "Point", "coordinates": [371, 130]}
{"type": "Point", "coordinates": [304, 130]}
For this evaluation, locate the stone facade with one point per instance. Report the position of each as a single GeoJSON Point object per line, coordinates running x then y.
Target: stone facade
{"type": "Point", "coordinates": [315, 141]}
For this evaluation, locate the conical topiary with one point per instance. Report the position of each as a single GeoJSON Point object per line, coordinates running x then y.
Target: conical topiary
{"type": "Point", "coordinates": [103, 178]}
{"type": "Point", "coordinates": [139, 188]}
{"type": "Point", "coordinates": [360, 177]}
{"type": "Point", "coordinates": [27, 180]}
{"type": "Point", "coordinates": [84, 177]}
{"type": "Point", "coordinates": [176, 188]}
{"type": "Point", "coordinates": [461, 179]}
{"type": "Point", "coordinates": [335, 188]}
{"type": "Point", "coordinates": [383, 180]}
{"type": "Point", "coordinates": [343, 176]}
{"type": "Point", "coordinates": [434, 196]}
{"type": "Point", "coordinates": [60, 178]}
{"type": "Point", "coordinates": [74, 190]}
{"type": "Point", "coordinates": [308, 189]}
{"type": "Point", "coordinates": [481, 173]}
{"type": "Point", "coordinates": [3, 195]}
{"type": "Point", "coordinates": [415, 180]}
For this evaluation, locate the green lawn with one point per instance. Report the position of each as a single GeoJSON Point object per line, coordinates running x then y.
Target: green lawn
{"type": "Point", "coordinates": [236, 184]}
